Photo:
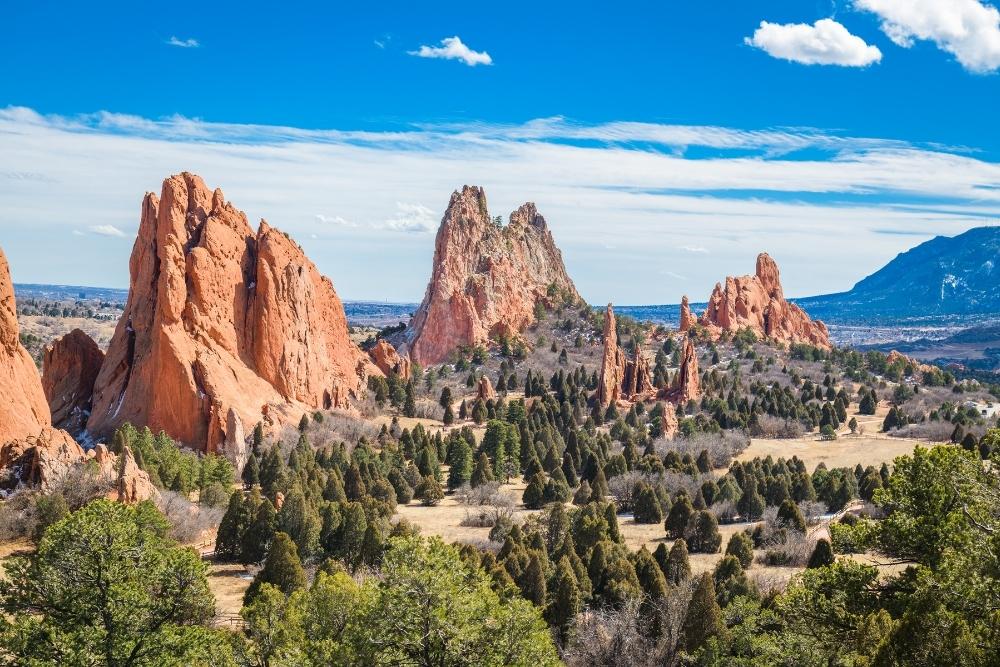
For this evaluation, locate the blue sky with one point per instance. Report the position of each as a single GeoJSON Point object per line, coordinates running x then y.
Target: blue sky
{"type": "Point", "coordinates": [674, 139]}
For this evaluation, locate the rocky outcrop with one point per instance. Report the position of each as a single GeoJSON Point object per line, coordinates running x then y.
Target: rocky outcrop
{"type": "Point", "coordinates": [70, 367]}
{"type": "Point", "coordinates": [486, 278]}
{"type": "Point", "coordinates": [385, 357]}
{"type": "Point", "coordinates": [687, 319]}
{"type": "Point", "coordinates": [130, 483]}
{"type": "Point", "coordinates": [622, 378]}
{"type": "Point", "coordinates": [668, 421]}
{"type": "Point", "coordinates": [687, 383]}
{"type": "Point", "coordinates": [23, 408]}
{"type": "Point", "coordinates": [758, 303]}
{"type": "Point", "coordinates": [918, 368]}
{"type": "Point", "coordinates": [41, 459]}
{"type": "Point", "coordinates": [221, 319]}
{"type": "Point", "coordinates": [485, 390]}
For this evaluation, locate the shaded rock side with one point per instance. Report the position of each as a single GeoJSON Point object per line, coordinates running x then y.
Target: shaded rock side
{"type": "Point", "coordinates": [486, 278]}
{"type": "Point", "coordinates": [70, 368]}
{"type": "Point", "coordinates": [23, 408]}
{"type": "Point", "coordinates": [221, 318]}
{"type": "Point", "coordinates": [757, 302]}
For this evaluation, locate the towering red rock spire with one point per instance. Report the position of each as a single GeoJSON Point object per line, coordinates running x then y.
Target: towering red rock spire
{"type": "Point", "coordinates": [687, 383]}
{"type": "Point", "coordinates": [758, 303]}
{"type": "Point", "coordinates": [486, 278]}
{"type": "Point", "coordinates": [223, 327]}
{"type": "Point", "coordinates": [622, 378]}
{"type": "Point", "coordinates": [687, 319]}
{"type": "Point", "coordinates": [23, 409]}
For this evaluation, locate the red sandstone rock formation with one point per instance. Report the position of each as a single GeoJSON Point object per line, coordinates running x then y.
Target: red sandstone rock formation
{"type": "Point", "coordinates": [687, 383]}
{"type": "Point", "coordinates": [486, 279]}
{"type": "Point", "coordinates": [130, 482]}
{"type": "Point", "coordinates": [23, 409]}
{"type": "Point", "coordinates": [757, 302]}
{"type": "Point", "coordinates": [70, 367]}
{"type": "Point", "coordinates": [41, 459]}
{"type": "Point", "coordinates": [485, 390]}
{"type": "Point", "coordinates": [919, 368]}
{"type": "Point", "coordinates": [223, 326]}
{"type": "Point", "coordinates": [621, 378]}
{"type": "Point", "coordinates": [384, 356]}
{"type": "Point", "coordinates": [687, 319]}
{"type": "Point", "coordinates": [668, 421]}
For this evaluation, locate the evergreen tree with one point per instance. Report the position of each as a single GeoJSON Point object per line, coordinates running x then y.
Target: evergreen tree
{"type": "Point", "coordinates": [533, 581]}
{"type": "Point", "coordinates": [483, 472]}
{"type": "Point", "coordinates": [460, 471]}
{"type": "Point", "coordinates": [565, 602]}
{"type": "Point", "coordinates": [822, 554]}
{"type": "Point", "coordinates": [234, 524]}
{"type": "Point", "coordinates": [409, 403]}
{"type": "Point", "coordinates": [680, 515]}
{"type": "Point", "coordinates": [790, 515]}
{"type": "Point", "coordinates": [258, 536]}
{"type": "Point", "coordinates": [678, 564]}
{"type": "Point", "coordinates": [647, 506]}
{"type": "Point", "coordinates": [704, 617]}
{"type": "Point", "coordinates": [650, 576]}
{"type": "Point", "coordinates": [731, 581]}
{"type": "Point", "coordinates": [751, 504]}
{"type": "Point", "coordinates": [534, 493]}
{"type": "Point", "coordinates": [282, 569]}
{"type": "Point", "coordinates": [251, 472]}
{"type": "Point", "coordinates": [741, 546]}
{"type": "Point", "coordinates": [599, 487]}
{"type": "Point", "coordinates": [429, 491]}
{"type": "Point", "coordinates": [702, 534]}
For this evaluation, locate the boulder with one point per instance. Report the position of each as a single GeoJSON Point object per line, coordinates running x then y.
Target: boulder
{"type": "Point", "coordinates": [221, 319]}
{"type": "Point", "coordinates": [130, 483]}
{"type": "Point", "coordinates": [70, 367]}
{"type": "Point", "coordinates": [24, 411]}
{"type": "Point", "coordinates": [486, 278]}
{"type": "Point", "coordinates": [385, 357]}
{"type": "Point", "coordinates": [758, 303]}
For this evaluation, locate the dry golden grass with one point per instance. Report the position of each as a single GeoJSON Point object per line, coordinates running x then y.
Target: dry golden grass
{"type": "Point", "coordinates": [868, 447]}
{"type": "Point", "coordinates": [228, 583]}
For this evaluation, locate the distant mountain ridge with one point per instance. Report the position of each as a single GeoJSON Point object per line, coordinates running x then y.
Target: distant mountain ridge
{"type": "Point", "coordinates": [957, 275]}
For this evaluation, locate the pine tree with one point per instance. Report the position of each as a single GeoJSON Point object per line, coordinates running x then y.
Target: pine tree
{"type": "Point", "coordinates": [680, 515]}
{"type": "Point", "coordinates": [790, 515]}
{"type": "Point", "coordinates": [409, 403]}
{"type": "Point", "coordinates": [565, 603]}
{"type": "Point", "coordinates": [258, 536]}
{"type": "Point", "coordinates": [583, 494]}
{"type": "Point", "coordinates": [282, 568]}
{"type": "Point", "coordinates": [300, 521]}
{"type": "Point", "coordinates": [354, 484]}
{"type": "Point", "coordinates": [534, 493]}
{"type": "Point", "coordinates": [449, 416]}
{"type": "Point", "coordinates": [651, 578]}
{"type": "Point", "coordinates": [599, 486]}
{"type": "Point", "coordinates": [678, 564]}
{"type": "Point", "coordinates": [234, 524]}
{"type": "Point", "coordinates": [702, 534]}
{"type": "Point", "coordinates": [460, 471]}
{"type": "Point", "coordinates": [483, 472]}
{"type": "Point", "coordinates": [429, 491]}
{"type": "Point", "coordinates": [822, 554]}
{"type": "Point", "coordinates": [751, 504]}
{"type": "Point", "coordinates": [611, 516]}
{"type": "Point", "coordinates": [741, 546]}
{"type": "Point", "coordinates": [704, 617]}
{"type": "Point", "coordinates": [532, 582]}
{"type": "Point", "coordinates": [251, 472]}
{"type": "Point", "coordinates": [647, 506]}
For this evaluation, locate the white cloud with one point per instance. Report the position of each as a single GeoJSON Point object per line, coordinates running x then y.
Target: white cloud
{"type": "Point", "coordinates": [826, 42]}
{"type": "Point", "coordinates": [413, 218]}
{"type": "Point", "coordinates": [695, 249]}
{"type": "Point", "coordinates": [106, 230]}
{"type": "Point", "coordinates": [452, 48]}
{"type": "Point", "coordinates": [585, 179]}
{"type": "Point", "coordinates": [968, 29]}
{"type": "Point", "coordinates": [189, 43]}
{"type": "Point", "coordinates": [335, 220]}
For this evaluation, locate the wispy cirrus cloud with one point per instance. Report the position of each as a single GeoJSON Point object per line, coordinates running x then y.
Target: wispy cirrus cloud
{"type": "Point", "coordinates": [452, 48]}
{"type": "Point", "coordinates": [612, 193]}
{"type": "Point", "coordinates": [967, 29]}
{"type": "Point", "coordinates": [189, 43]}
{"type": "Point", "coordinates": [825, 42]}
{"type": "Point", "coordinates": [695, 249]}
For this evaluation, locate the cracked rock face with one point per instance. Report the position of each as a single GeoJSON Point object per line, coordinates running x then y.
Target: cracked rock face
{"type": "Point", "coordinates": [224, 325]}
{"type": "Point", "coordinates": [486, 278]}
{"type": "Point", "coordinates": [758, 303]}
